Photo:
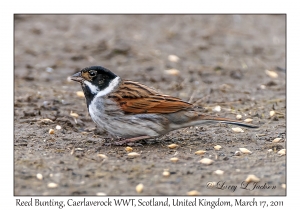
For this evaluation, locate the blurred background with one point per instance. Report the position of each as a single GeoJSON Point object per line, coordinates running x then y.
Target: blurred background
{"type": "Point", "coordinates": [235, 62]}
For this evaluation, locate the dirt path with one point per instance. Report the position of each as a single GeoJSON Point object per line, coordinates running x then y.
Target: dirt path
{"type": "Point", "coordinates": [222, 62]}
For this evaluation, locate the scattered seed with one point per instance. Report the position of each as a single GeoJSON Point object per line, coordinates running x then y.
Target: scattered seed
{"type": "Point", "coordinates": [73, 114]}
{"type": "Point", "coordinates": [51, 131]}
{"type": "Point", "coordinates": [237, 153]}
{"type": "Point", "coordinates": [200, 152]}
{"type": "Point", "coordinates": [102, 156]}
{"type": "Point", "coordinates": [248, 120]}
{"type": "Point", "coordinates": [262, 87]}
{"type": "Point", "coordinates": [276, 140]}
{"type": "Point", "coordinates": [39, 176]}
{"type": "Point", "coordinates": [58, 127]}
{"type": "Point", "coordinates": [237, 130]}
{"type": "Point", "coordinates": [52, 185]}
{"type": "Point", "coordinates": [173, 146]}
{"type": "Point", "coordinates": [270, 150]}
{"type": "Point", "coordinates": [217, 109]}
{"type": "Point", "coordinates": [174, 72]}
{"type": "Point", "coordinates": [133, 154]}
{"type": "Point", "coordinates": [80, 94]}
{"type": "Point", "coordinates": [101, 194]}
{"type": "Point", "coordinates": [219, 172]}
{"type": "Point", "coordinates": [282, 152]}
{"type": "Point", "coordinates": [238, 117]}
{"type": "Point", "coordinates": [174, 159]}
{"type": "Point", "coordinates": [193, 193]}
{"type": "Point", "coordinates": [173, 58]}
{"type": "Point", "coordinates": [206, 161]}
{"type": "Point", "coordinates": [272, 113]}
{"type": "Point", "coordinates": [166, 173]}
{"type": "Point", "coordinates": [217, 147]}
{"type": "Point", "coordinates": [252, 178]}
{"type": "Point", "coordinates": [128, 149]}
{"type": "Point", "coordinates": [245, 151]}
{"type": "Point", "coordinates": [78, 149]}
{"type": "Point", "coordinates": [46, 121]}
{"type": "Point", "coordinates": [139, 188]}
{"type": "Point", "coordinates": [283, 186]}
{"type": "Point", "coordinates": [272, 74]}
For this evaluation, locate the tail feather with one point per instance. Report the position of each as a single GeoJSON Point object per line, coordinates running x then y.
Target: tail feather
{"type": "Point", "coordinates": [227, 121]}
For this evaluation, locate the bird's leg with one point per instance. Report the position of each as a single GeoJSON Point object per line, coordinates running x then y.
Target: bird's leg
{"type": "Point", "coordinates": [131, 140]}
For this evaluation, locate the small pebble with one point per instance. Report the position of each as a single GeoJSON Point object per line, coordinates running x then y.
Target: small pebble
{"type": "Point", "coordinates": [200, 152]}
{"type": "Point", "coordinates": [139, 188]}
{"type": "Point", "coordinates": [173, 146]}
{"type": "Point", "coordinates": [39, 176]}
{"type": "Point", "coordinates": [206, 161]}
{"type": "Point", "coordinates": [245, 151]}
{"type": "Point", "coordinates": [252, 178]}
{"type": "Point", "coordinates": [237, 130]}
{"type": "Point", "coordinates": [193, 193]}
{"type": "Point", "coordinates": [51, 131]}
{"type": "Point", "coordinates": [52, 185]}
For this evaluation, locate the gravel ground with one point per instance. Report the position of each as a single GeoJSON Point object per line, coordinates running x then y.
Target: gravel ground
{"type": "Point", "coordinates": [222, 62]}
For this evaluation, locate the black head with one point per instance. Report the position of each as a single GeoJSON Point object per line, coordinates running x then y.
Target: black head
{"type": "Point", "coordinates": [94, 80]}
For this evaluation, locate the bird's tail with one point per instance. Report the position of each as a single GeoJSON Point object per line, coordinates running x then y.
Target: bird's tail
{"type": "Point", "coordinates": [212, 119]}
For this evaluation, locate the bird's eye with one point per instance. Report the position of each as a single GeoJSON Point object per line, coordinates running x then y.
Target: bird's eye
{"type": "Point", "coordinates": [92, 73]}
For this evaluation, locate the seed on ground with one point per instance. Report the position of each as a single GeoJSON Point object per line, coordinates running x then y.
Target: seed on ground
{"type": "Point", "coordinates": [133, 154]}
{"type": "Point", "coordinates": [39, 176]}
{"type": "Point", "coordinates": [52, 185]}
{"type": "Point", "coordinates": [139, 188]}
{"type": "Point", "coordinates": [248, 120]}
{"type": "Point", "coordinates": [166, 173]}
{"type": "Point", "coordinates": [238, 117]}
{"type": "Point", "coordinates": [217, 147]}
{"type": "Point", "coordinates": [193, 193]}
{"type": "Point", "coordinates": [272, 113]}
{"type": "Point", "coordinates": [252, 178]}
{"type": "Point", "coordinates": [58, 127]}
{"type": "Point", "coordinates": [237, 130]}
{"type": "Point", "coordinates": [276, 140]}
{"type": "Point", "coordinates": [206, 161]}
{"type": "Point", "coordinates": [200, 152]}
{"type": "Point", "coordinates": [173, 146]}
{"type": "Point", "coordinates": [51, 131]}
{"type": "Point", "coordinates": [128, 149]}
{"type": "Point", "coordinates": [245, 151]}
{"type": "Point", "coordinates": [102, 156]}
{"type": "Point", "coordinates": [219, 172]}
{"type": "Point", "coordinates": [281, 152]}
{"type": "Point", "coordinates": [174, 159]}
{"type": "Point", "coordinates": [80, 94]}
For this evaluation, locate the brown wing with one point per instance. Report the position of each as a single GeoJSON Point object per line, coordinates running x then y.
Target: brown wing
{"type": "Point", "coordinates": [136, 98]}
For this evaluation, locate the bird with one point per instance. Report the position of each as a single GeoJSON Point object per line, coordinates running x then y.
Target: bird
{"type": "Point", "coordinates": [130, 111]}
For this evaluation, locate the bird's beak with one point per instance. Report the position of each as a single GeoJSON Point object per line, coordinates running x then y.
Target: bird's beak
{"type": "Point", "coordinates": [77, 77]}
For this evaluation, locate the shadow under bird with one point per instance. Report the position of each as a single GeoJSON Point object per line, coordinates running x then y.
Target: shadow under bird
{"type": "Point", "coordinates": [133, 111]}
